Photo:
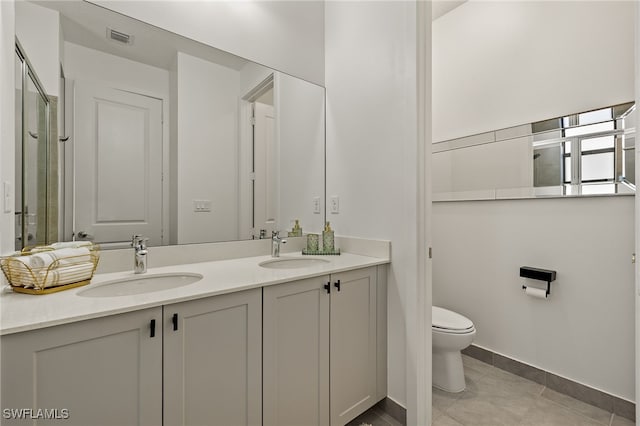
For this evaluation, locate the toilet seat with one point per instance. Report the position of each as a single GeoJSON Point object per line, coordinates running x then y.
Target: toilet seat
{"type": "Point", "coordinates": [446, 321]}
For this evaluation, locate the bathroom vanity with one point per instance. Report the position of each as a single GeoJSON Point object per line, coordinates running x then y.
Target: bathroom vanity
{"type": "Point", "coordinates": [244, 345]}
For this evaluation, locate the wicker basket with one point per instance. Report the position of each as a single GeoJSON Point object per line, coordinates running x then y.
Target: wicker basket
{"type": "Point", "coordinates": [44, 270]}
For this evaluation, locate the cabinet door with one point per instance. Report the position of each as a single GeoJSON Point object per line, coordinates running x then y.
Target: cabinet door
{"type": "Point", "coordinates": [212, 361]}
{"type": "Point", "coordinates": [353, 344]}
{"type": "Point", "coordinates": [105, 371]}
{"type": "Point", "coordinates": [296, 356]}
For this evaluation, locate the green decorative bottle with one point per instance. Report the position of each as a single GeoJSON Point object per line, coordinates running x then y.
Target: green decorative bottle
{"type": "Point", "coordinates": [327, 239]}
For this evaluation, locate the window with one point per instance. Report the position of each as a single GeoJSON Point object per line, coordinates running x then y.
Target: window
{"type": "Point", "coordinates": [595, 147]}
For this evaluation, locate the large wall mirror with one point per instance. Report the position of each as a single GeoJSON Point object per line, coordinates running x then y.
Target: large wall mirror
{"type": "Point", "coordinates": [173, 139]}
{"type": "Point", "coordinates": [590, 153]}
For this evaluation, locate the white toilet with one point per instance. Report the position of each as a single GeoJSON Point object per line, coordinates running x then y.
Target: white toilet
{"type": "Point", "coordinates": [451, 333]}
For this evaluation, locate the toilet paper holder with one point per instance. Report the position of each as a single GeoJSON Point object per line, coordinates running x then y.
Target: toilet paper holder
{"type": "Point", "coordinates": [538, 274]}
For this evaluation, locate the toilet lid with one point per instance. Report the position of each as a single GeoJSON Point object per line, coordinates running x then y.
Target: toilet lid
{"type": "Point", "coordinates": [448, 320]}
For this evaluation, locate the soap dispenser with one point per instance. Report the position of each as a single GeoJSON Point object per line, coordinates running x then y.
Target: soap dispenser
{"type": "Point", "coordinates": [297, 230]}
{"type": "Point", "coordinates": [327, 239]}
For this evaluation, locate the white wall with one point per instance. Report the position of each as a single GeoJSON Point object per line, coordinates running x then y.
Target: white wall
{"type": "Point", "coordinates": [501, 64]}
{"type": "Point", "coordinates": [207, 110]}
{"type": "Point", "coordinates": [585, 330]}
{"type": "Point", "coordinates": [7, 122]}
{"type": "Point", "coordinates": [284, 35]}
{"type": "Point", "coordinates": [82, 63]}
{"type": "Point", "coordinates": [372, 158]}
{"type": "Point", "coordinates": [38, 30]}
{"type": "Point", "coordinates": [300, 121]}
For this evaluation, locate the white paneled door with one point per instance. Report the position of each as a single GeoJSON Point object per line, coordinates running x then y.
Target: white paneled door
{"type": "Point", "coordinates": [117, 164]}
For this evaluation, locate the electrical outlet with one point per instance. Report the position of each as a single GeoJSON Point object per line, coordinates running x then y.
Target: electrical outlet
{"type": "Point", "coordinates": [334, 204]}
{"type": "Point", "coordinates": [316, 205]}
{"type": "Point", "coordinates": [201, 206]}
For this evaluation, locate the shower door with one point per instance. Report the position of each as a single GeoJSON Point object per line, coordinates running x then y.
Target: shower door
{"type": "Point", "coordinates": [32, 156]}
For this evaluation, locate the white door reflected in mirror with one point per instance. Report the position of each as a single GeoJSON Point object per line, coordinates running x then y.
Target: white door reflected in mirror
{"type": "Point", "coordinates": [118, 164]}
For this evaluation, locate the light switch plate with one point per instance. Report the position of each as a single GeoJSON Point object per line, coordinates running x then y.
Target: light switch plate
{"type": "Point", "coordinates": [316, 205]}
{"type": "Point", "coordinates": [201, 206]}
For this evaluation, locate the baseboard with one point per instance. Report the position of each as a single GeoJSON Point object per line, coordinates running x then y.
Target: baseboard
{"type": "Point", "coordinates": [595, 397]}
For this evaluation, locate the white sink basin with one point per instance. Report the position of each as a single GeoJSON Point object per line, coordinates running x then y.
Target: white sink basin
{"type": "Point", "coordinates": [140, 284]}
{"type": "Point", "coordinates": [292, 262]}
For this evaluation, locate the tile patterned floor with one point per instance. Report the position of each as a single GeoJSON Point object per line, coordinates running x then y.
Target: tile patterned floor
{"type": "Point", "coordinates": [495, 397]}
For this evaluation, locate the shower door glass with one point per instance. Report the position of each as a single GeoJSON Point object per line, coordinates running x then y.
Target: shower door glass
{"type": "Point", "coordinates": [32, 152]}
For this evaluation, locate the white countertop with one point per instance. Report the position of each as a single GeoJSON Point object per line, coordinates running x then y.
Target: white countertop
{"type": "Point", "coordinates": [22, 312]}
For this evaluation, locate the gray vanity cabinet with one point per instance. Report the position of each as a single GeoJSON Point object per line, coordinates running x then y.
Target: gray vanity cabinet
{"type": "Point", "coordinates": [309, 352]}
{"type": "Point", "coordinates": [322, 349]}
{"type": "Point", "coordinates": [104, 371]}
{"type": "Point", "coordinates": [204, 354]}
{"type": "Point", "coordinates": [213, 360]}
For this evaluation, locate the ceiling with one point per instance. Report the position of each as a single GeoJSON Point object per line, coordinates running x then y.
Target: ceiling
{"type": "Point", "coordinates": [442, 7]}
{"type": "Point", "coordinates": [86, 24]}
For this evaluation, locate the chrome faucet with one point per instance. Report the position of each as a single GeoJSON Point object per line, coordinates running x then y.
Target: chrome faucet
{"type": "Point", "coordinates": [275, 243]}
{"type": "Point", "coordinates": [139, 244]}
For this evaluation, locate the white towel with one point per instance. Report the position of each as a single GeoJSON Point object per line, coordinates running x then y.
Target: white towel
{"type": "Point", "coordinates": [70, 244]}
{"type": "Point", "coordinates": [20, 266]}
{"type": "Point", "coordinates": [66, 256]}
{"type": "Point", "coordinates": [26, 260]}
{"type": "Point", "coordinates": [67, 274]}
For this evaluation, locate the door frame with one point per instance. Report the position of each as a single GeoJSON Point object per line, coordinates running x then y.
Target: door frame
{"type": "Point", "coordinates": [245, 153]}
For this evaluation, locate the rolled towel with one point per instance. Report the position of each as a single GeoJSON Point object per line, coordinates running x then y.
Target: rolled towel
{"type": "Point", "coordinates": [70, 244]}
{"type": "Point", "coordinates": [42, 259]}
{"type": "Point", "coordinates": [73, 256]}
{"type": "Point", "coordinates": [19, 268]}
{"type": "Point", "coordinates": [65, 256]}
{"type": "Point", "coordinates": [26, 260]}
{"type": "Point", "coordinates": [67, 274]}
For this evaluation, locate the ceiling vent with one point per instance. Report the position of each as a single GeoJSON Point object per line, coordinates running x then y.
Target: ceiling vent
{"type": "Point", "coordinates": [119, 36]}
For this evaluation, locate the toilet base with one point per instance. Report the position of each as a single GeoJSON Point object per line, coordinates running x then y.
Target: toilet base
{"type": "Point", "coordinates": [448, 372]}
